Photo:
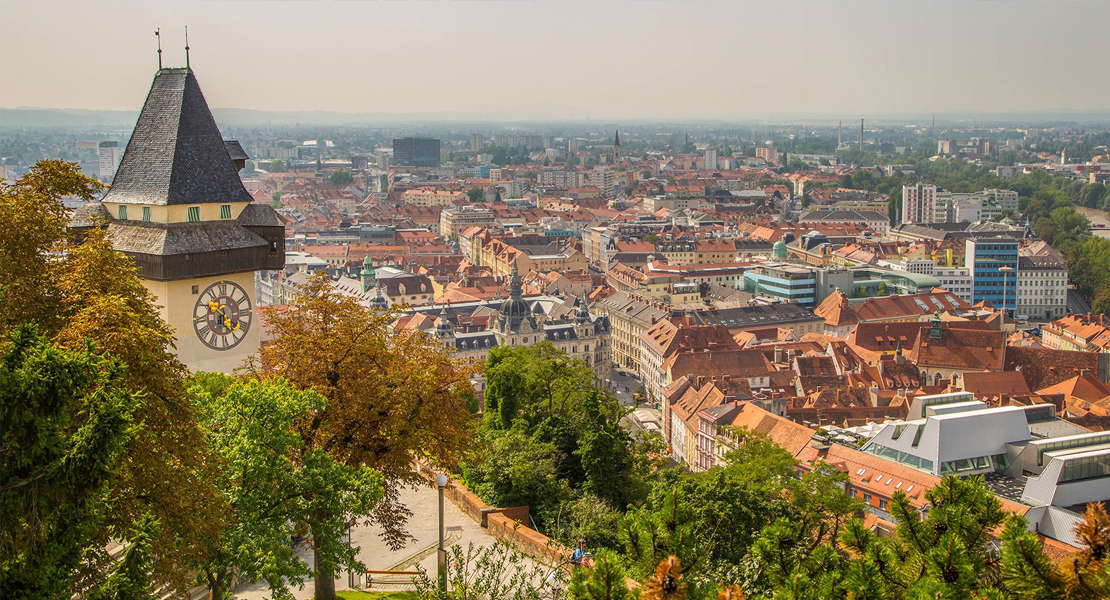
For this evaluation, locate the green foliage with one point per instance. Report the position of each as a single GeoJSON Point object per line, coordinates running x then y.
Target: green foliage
{"type": "Point", "coordinates": [476, 195]}
{"type": "Point", "coordinates": [66, 418]}
{"type": "Point", "coordinates": [553, 441]}
{"type": "Point", "coordinates": [272, 483]}
{"type": "Point", "coordinates": [517, 469]}
{"type": "Point", "coordinates": [489, 572]}
{"type": "Point", "coordinates": [341, 177]}
{"type": "Point", "coordinates": [587, 517]}
{"type": "Point", "coordinates": [606, 581]}
{"type": "Point", "coordinates": [130, 579]}
{"type": "Point", "coordinates": [710, 520]}
{"type": "Point", "coordinates": [944, 554]}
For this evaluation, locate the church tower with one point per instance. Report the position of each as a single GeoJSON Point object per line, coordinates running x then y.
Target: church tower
{"type": "Point", "coordinates": [179, 209]}
{"type": "Point", "coordinates": [617, 147]}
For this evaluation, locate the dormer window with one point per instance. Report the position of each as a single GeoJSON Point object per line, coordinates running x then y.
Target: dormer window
{"type": "Point", "coordinates": [225, 211]}
{"type": "Point", "coordinates": [146, 214]}
{"type": "Point", "coordinates": [123, 212]}
{"type": "Point", "coordinates": [194, 214]}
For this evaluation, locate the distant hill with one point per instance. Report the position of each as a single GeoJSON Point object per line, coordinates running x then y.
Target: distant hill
{"type": "Point", "coordinates": [122, 119]}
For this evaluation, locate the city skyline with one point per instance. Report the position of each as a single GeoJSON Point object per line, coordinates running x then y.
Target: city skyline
{"type": "Point", "coordinates": [542, 61]}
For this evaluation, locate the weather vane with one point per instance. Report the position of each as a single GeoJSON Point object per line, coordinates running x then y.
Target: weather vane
{"type": "Point", "coordinates": [186, 46]}
{"type": "Point", "coordinates": [158, 34]}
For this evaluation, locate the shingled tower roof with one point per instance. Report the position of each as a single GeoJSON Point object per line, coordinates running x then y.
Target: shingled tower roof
{"type": "Point", "coordinates": [176, 154]}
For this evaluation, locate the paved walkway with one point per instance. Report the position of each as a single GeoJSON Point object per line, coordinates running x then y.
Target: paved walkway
{"type": "Point", "coordinates": [376, 555]}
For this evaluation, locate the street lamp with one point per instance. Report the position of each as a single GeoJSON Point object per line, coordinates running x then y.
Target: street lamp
{"type": "Point", "coordinates": [441, 482]}
{"type": "Point", "coordinates": [1005, 270]}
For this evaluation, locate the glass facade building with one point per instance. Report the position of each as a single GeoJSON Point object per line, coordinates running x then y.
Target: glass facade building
{"type": "Point", "coordinates": [985, 258]}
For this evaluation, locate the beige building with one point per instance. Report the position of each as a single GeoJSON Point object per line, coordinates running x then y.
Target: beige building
{"type": "Point", "coordinates": [629, 317]}
{"type": "Point", "coordinates": [525, 254]}
{"type": "Point", "coordinates": [432, 197]}
{"type": "Point", "coordinates": [452, 221]}
{"type": "Point", "coordinates": [178, 207]}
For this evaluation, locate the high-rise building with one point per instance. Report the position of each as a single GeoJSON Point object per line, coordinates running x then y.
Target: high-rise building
{"type": "Point", "coordinates": [110, 156]}
{"type": "Point", "coordinates": [918, 203]}
{"type": "Point", "coordinates": [993, 263]}
{"type": "Point", "coordinates": [710, 159]}
{"type": "Point", "coordinates": [179, 209]}
{"type": "Point", "coordinates": [477, 141]}
{"type": "Point", "coordinates": [416, 152]}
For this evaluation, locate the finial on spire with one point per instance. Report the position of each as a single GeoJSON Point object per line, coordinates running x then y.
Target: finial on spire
{"type": "Point", "coordinates": [158, 34]}
{"type": "Point", "coordinates": [186, 46]}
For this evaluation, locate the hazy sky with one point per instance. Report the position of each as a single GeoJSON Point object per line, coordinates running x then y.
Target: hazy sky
{"type": "Point", "coordinates": [568, 59]}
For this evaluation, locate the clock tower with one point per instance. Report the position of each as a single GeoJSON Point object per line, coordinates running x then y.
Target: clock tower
{"type": "Point", "coordinates": [178, 207]}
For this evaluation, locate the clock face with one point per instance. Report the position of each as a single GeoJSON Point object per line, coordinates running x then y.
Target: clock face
{"type": "Point", "coordinates": [222, 315]}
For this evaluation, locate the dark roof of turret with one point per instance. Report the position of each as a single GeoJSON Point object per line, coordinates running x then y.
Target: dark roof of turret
{"type": "Point", "coordinates": [176, 154]}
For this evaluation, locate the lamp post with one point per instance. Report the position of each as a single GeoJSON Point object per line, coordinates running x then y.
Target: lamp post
{"type": "Point", "coordinates": [1005, 270]}
{"type": "Point", "coordinates": [441, 482]}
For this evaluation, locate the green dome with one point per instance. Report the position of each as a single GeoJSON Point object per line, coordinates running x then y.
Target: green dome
{"type": "Point", "coordinates": [778, 251]}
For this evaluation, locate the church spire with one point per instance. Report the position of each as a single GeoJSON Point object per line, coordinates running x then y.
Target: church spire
{"type": "Point", "coordinates": [515, 290]}
{"type": "Point", "coordinates": [617, 146]}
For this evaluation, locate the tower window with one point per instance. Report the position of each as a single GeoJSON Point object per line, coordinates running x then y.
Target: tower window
{"type": "Point", "coordinates": [123, 212]}
{"type": "Point", "coordinates": [194, 213]}
{"type": "Point", "coordinates": [225, 211]}
{"type": "Point", "coordinates": [146, 213]}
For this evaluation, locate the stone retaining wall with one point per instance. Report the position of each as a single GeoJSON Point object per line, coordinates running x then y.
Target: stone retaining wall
{"type": "Point", "coordinates": [509, 525]}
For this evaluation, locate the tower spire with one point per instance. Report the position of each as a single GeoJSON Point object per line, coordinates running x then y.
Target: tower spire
{"type": "Point", "coordinates": [158, 35]}
{"type": "Point", "coordinates": [186, 46]}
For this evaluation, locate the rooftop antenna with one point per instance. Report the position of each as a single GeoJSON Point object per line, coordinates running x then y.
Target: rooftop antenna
{"type": "Point", "coordinates": [158, 34]}
{"type": "Point", "coordinates": [186, 46]}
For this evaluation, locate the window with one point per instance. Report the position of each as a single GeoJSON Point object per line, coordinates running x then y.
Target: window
{"type": "Point", "coordinates": [194, 213]}
{"type": "Point", "coordinates": [123, 212]}
{"type": "Point", "coordinates": [867, 498]}
{"type": "Point", "coordinates": [882, 504]}
{"type": "Point", "coordinates": [146, 214]}
{"type": "Point", "coordinates": [225, 211]}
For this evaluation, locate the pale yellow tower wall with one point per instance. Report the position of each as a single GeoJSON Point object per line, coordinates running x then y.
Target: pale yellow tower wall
{"type": "Point", "coordinates": [177, 300]}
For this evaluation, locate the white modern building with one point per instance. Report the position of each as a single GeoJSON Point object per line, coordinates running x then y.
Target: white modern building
{"type": "Point", "coordinates": [1027, 455]}
{"type": "Point", "coordinates": [109, 156]}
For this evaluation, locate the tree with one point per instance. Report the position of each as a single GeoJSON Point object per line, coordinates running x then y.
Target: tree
{"type": "Point", "coordinates": [277, 166]}
{"type": "Point", "coordinates": [341, 177]}
{"type": "Point", "coordinates": [388, 396]}
{"type": "Point", "coordinates": [476, 195]}
{"type": "Point", "coordinates": [943, 554]}
{"type": "Point", "coordinates": [517, 470]}
{"type": "Point", "coordinates": [80, 292]}
{"type": "Point", "coordinates": [606, 581]}
{"type": "Point", "coordinates": [269, 481]}
{"type": "Point", "coordinates": [1030, 575]}
{"type": "Point", "coordinates": [709, 520]}
{"type": "Point", "coordinates": [553, 398]}
{"type": "Point", "coordinates": [67, 417]}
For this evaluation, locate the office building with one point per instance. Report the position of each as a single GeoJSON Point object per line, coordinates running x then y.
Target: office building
{"type": "Point", "coordinates": [416, 152]}
{"type": "Point", "coordinates": [793, 284]}
{"type": "Point", "coordinates": [993, 263]}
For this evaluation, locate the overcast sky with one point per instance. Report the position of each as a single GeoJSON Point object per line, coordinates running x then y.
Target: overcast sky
{"type": "Point", "coordinates": [567, 59]}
